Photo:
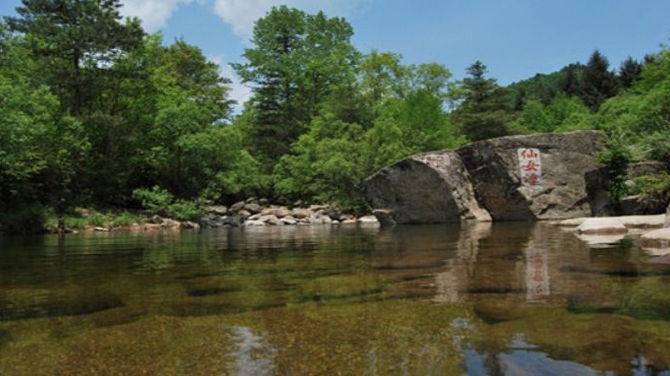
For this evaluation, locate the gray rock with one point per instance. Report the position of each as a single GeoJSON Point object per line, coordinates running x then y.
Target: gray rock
{"type": "Point", "coordinates": [289, 220]}
{"type": "Point", "coordinates": [254, 223]}
{"type": "Point", "coordinates": [219, 210]}
{"type": "Point", "coordinates": [657, 239]}
{"type": "Point", "coordinates": [368, 219]}
{"type": "Point", "coordinates": [189, 225]}
{"type": "Point", "coordinates": [667, 217]}
{"type": "Point", "coordinates": [425, 188]}
{"type": "Point", "coordinates": [561, 193]}
{"type": "Point", "coordinates": [483, 180]}
{"type": "Point", "coordinates": [602, 226]}
{"type": "Point", "coordinates": [385, 217]}
{"type": "Point", "coordinates": [253, 208]}
{"type": "Point", "coordinates": [236, 207]}
{"type": "Point", "coordinates": [279, 212]}
{"type": "Point", "coordinates": [301, 213]}
{"type": "Point", "coordinates": [270, 219]}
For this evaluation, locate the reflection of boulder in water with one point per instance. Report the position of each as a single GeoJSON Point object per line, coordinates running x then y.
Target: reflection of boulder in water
{"type": "Point", "coordinates": [16, 304]}
{"type": "Point", "coordinates": [601, 241]}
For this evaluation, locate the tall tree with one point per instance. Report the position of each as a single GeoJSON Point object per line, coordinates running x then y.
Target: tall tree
{"type": "Point", "coordinates": [41, 150]}
{"type": "Point", "coordinates": [482, 113]}
{"type": "Point", "coordinates": [75, 41]}
{"type": "Point", "coordinates": [296, 61]}
{"type": "Point", "coordinates": [629, 72]}
{"type": "Point", "coordinates": [598, 82]}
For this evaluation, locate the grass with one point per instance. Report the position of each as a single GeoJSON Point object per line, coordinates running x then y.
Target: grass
{"type": "Point", "coordinates": [80, 219]}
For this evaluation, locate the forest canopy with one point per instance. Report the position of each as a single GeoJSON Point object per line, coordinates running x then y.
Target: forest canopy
{"type": "Point", "coordinates": [98, 112]}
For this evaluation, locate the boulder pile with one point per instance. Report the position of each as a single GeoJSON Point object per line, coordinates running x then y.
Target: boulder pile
{"type": "Point", "coordinates": [254, 212]}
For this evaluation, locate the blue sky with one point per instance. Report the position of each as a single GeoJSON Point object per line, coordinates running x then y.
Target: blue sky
{"type": "Point", "coordinates": [515, 38]}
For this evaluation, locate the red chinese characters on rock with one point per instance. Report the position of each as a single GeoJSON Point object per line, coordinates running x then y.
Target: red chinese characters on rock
{"type": "Point", "coordinates": [530, 166]}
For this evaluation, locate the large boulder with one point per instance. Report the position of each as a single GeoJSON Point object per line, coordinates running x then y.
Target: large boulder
{"type": "Point", "coordinates": [426, 188]}
{"type": "Point", "coordinates": [485, 180]}
{"type": "Point", "coordinates": [560, 192]}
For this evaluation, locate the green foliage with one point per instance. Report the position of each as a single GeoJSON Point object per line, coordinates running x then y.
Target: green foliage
{"type": "Point", "coordinates": [125, 219]}
{"type": "Point", "coordinates": [296, 61]}
{"type": "Point", "coordinates": [598, 82]}
{"type": "Point", "coordinates": [41, 149]}
{"type": "Point", "coordinates": [483, 112]}
{"type": "Point", "coordinates": [158, 201]}
{"type": "Point", "coordinates": [73, 43]}
{"type": "Point", "coordinates": [652, 186]}
{"type": "Point", "coordinates": [616, 158]}
{"type": "Point", "coordinates": [29, 219]}
{"type": "Point", "coordinates": [562, 114]}
{"type": "Point", "coordinates": [94, 111]}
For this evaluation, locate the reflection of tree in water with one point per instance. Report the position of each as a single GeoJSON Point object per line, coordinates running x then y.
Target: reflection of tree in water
{"type": "Point", "coordinates": [493, 365]}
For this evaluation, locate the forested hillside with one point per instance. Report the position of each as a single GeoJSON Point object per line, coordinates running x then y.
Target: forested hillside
{"type": "Point", "coordinates": [96, 112]}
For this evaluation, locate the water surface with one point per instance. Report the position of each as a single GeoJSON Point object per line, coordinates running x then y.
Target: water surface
{"type": "Point", "coordinates": [479, 299]}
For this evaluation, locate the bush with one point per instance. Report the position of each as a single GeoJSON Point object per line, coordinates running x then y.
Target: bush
{"type": "Point", "coordinates": [616, 158]}
{"type": "Point", "coordinates": [155, 200]}
{"type": "Point", "coordinates": [158, 201]}
{"type": "Point", "coordinates": [124, 219]}
{"type": "Point", "coordinates": [25, 220]}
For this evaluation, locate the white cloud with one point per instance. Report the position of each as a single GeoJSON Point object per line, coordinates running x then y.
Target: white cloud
{"type": "Point", "coordinates": [153, 13]}
{"type": "Point", "coordinates": [241, 14]}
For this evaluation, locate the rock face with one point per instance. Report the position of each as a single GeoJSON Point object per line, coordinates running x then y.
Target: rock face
{"type": "Point", "coordinates": [425, 188]}
{"type": "Point", "coordinates": [485, 178]}
{"type": "Point", "coordinates": [561, 192]}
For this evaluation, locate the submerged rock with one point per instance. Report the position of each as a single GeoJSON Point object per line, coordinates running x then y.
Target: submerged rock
{"type": "Point", "coordinates": [28, 303]}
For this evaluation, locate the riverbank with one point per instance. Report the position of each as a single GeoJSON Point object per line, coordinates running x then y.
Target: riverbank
{"type": "Point", "coordinates": [251, 212]}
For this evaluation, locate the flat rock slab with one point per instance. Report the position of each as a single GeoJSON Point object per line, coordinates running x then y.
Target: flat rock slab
{"type": "Point", "coordinates": [630, 221]}
{"type": "Point", "coordinates": [643, 221]}
{"type": "Point", "coordinates": [657, 239]}
{"type": "Point", "coordinates": [602, 226]}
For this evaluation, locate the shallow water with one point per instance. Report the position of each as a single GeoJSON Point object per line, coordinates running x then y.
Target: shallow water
{"type": "Point", "coordinates": [479, 299]}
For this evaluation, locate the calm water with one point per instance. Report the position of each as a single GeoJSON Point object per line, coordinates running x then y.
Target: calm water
{"type": "Point", "coordinates": [502, 299]}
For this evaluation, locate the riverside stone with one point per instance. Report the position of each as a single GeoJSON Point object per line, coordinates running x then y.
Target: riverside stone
{"type": "Point", "coordinates": [279, 212]}
{"type": "Point", "coordinates": [483, 181]}
{"type": "Point", "coordinates": [561, 190]}
{"type": "Point", "coordinates": [602, 226]}
{"type": "Point", "coordinates": [657, 239]}
{"type": "Point", "coordinates": [426, 188]}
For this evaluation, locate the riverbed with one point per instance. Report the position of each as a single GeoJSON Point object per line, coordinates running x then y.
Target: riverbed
{"type": "Point", "coordinates": [476, 299]}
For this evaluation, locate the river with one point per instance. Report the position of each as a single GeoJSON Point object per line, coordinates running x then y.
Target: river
{"type": "Point", "coordinates": [471, 299]}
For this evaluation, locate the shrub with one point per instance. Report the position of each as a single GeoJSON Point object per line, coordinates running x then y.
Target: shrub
{"type": "Point", "coordinates": [158, 201]}
{"type": "Point", "coordinates": [29, 219]}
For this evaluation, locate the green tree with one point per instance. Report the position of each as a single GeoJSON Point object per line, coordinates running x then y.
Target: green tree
{"type": "Point", "coordinates": [41, 149]}
{"type": "Point", "coordinates": [561, 114]}
{"type": "Point", "coordinates": [75, 42]}
{"type": "Point", "coordinates": [482, 113]}
{"type": "Point", "coordinates": [296, 62]}
{"type": "Point", "coordinates": [629, 72]}
{"type": "Point", "coordinates": [598, 83]}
